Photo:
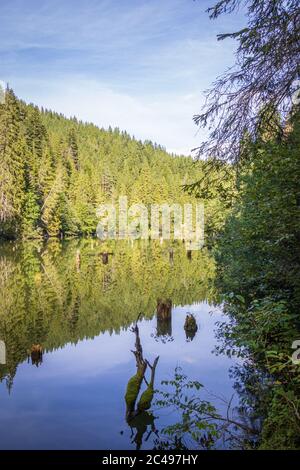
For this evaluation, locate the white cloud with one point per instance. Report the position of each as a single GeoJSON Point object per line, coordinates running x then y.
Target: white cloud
{"type": "Point", "coordinates": [141, 66]}
{"type": "Point", "coordinates": [165, 119]}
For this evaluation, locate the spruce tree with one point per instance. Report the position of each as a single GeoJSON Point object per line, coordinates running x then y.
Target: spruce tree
{"type": "Point", "coordinates": [12, 151]}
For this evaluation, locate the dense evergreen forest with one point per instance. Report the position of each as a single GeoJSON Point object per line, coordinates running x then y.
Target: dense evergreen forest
{"type": "Point", "coordinates": [54, 173]}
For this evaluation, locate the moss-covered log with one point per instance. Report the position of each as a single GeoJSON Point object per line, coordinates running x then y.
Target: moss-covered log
{"type": "Point", "coordinates": [134, 384]}
{"type": "Point", "coordinates": [133, 390]}
{"type": "Point", "coordinates": [147, 396]}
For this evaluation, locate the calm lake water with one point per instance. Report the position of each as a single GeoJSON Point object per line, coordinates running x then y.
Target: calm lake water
{"type": "Point", "coordinates": [66, 316]}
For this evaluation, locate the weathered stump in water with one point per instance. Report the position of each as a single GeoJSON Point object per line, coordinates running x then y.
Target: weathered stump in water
{"type": "Point", "coordinates": [190, 323]}
{"type": "Point", "coordinates": [139, 427]}
{"type": "Point", "coordinates": [134, 384]}
{"type": "Point", "coordinates": [164, 309]}
{"type": "Point", "coordinates": [190, 326]}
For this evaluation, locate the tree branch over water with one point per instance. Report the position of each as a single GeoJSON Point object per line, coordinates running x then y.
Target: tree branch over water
{"type": "Point", "coordinates": [264, 77]}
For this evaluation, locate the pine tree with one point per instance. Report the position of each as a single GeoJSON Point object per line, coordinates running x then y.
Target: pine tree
{"type": "Point", "coordinates": [73, 148]}
{"type": "Point", "coordinates": [53, 206]}
{"type": "Point", "coordinates": [12, 150]}
{"type": "Point", "coordinates": [30, 216]}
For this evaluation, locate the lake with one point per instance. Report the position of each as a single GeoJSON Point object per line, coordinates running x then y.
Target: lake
{"type": "Point", "coordinates": [66, 315]}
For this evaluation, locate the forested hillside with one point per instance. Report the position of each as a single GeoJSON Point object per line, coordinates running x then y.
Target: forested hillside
{"type": "Point", "coordinates": [54, 172]}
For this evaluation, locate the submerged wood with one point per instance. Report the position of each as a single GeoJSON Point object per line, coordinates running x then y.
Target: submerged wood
{"type": "Point", "coordinates": [190, 323]}
{"type": "Point", "coordinates": [135, 383]}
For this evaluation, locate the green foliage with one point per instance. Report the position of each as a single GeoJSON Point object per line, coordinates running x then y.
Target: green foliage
{"type": "Point", "coordinates": [30, 216]}
{"type": "Point", "coordinates": [55, 171]}
{"type": "Point", "coordinates": [262, 80]}
{"type": "Point", "coordinates": [281, 427]}
{"type": "Point", "coordinates": [198, 424]}
{"type": "Point", "coordinates": [265, 221]}
{"type": "Point", "coordinates": [12, 176]}
{"type": "Point", "coordinates": [217, 189]}
{"type": "Point", "coordinates": [259, 264]}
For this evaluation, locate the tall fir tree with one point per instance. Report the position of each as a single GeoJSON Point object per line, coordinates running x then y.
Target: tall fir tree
{"type": "Point", "coordinates": [12, 151]}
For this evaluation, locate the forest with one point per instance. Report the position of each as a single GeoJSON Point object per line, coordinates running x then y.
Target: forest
{"type": "Point", "coordinates": [56, 171]}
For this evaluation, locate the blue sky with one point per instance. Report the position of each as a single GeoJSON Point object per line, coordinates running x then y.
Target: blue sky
{"type": "Point", "coordinates": [141, 65]}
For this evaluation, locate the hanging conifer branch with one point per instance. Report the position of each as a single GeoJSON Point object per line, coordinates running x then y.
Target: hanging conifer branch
{"type": "Point", "coordinates": [265, 75]}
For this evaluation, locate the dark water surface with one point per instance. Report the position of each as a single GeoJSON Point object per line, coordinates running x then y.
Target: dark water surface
{"type": "Point", "coordinates": [66, 312]}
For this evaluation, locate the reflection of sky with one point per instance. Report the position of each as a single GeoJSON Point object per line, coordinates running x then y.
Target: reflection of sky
{"type": "Point", "coordinates": [75, 399]}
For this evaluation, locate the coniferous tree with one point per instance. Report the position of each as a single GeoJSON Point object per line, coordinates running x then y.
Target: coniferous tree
{"type": "Point", "coordinates": [73, 148]}
{"type": "Point", "coordinates": [54, 172]}
{"type": "Point", "coordinates": [12, 149]}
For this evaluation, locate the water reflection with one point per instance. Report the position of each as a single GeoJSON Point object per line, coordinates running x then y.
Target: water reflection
{"type": "Point", "coordinates": [68, 308]}
{"type": "Point", "coordinates": [36, 355]}
{"type": "Point", "coordinates": [164, 318]}
{"type": "Point", "coordinates": [62, 292]}
{"type": "Point", "coordinates": [2, 352]}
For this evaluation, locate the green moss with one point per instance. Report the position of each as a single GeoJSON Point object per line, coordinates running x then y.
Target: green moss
{"type": "Point", "coordinates": [146, 399]}
{"type": "Point", "coordinates": [132, 391]}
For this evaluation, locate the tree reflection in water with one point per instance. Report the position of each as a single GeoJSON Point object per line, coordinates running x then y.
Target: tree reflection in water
{"type": "Point", "coordinates": [58, 292]}
{"type": "Point", "coordinates": [164, 321]}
